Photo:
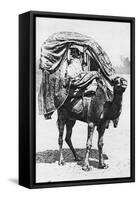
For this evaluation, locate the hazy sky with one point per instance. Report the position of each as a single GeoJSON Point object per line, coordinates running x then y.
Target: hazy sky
{"type": "Point", "coordinates": [114, 37]}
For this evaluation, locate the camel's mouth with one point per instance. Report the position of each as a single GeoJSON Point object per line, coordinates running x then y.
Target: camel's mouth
{"type": "Point", "coordinates": [123, 84]}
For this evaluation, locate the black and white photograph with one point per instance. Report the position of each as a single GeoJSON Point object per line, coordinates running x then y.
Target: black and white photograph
{"type": "Point", "coordinates": [83, 92]}
{"type": "Point", "coordinates": [68, 100]}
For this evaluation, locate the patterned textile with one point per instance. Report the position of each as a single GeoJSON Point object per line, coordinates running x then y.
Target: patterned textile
{"type": "Point", "coordinates": [55, 85]}
{"type": "Point", "coordinates": [54, 50]}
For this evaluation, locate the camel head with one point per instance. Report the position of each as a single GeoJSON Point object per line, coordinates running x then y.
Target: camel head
{"type": "Point", "coordinates": [120, 84]}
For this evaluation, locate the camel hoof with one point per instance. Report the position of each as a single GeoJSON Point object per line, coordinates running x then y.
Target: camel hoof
{"type": "Point", "coordinates": [62, 162]}
{"type": "Point", "coordinates": [78, 158]}
{"type": "Point", "coordinates": [86, 168]}
{"type": "Point", "coordinates": [103, 166]}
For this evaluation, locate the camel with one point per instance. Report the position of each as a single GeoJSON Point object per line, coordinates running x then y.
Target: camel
{"type": "Point", "coordinates": [96, 111]}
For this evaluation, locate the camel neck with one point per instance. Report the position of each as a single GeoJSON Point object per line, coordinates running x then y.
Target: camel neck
{"type": "Point", "coordinates": [117, 99]}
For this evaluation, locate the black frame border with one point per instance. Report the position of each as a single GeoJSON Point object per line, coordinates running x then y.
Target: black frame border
{"type": "Point", "coordinates": [27, 178]}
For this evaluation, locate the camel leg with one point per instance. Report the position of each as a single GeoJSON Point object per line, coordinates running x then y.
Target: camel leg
{"type": "Point", "coordinates": [61, 124]}
{"type": "Point", "coordinates": [69, 126]}
{"type": "Point", "coordinates": [91, 127]}
{"type": "Point", "coordinates": [101, 131]}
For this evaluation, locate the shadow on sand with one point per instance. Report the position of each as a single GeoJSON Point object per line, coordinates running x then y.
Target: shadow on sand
{"type": "Point", "coordinates": [51, 156]}
{"type": "Point", "coordinates": [13, 180]}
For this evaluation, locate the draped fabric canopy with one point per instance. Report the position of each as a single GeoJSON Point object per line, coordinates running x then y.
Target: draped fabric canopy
{"type": "Point", "coordinates": [55, 87]}
{"type": "Point", "coordinates": [55, 48]}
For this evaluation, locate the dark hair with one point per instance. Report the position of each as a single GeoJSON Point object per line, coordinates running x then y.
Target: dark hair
{"type": "Point", "coordinates": [75, 53]}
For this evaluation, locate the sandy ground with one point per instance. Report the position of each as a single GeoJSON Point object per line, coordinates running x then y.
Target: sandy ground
{"type": "Point", "coordinates": [116, 149]}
